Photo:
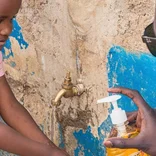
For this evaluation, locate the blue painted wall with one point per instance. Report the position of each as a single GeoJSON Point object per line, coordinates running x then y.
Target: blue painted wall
{"type": "Point", "coordinates": [132, 70]}
{"type": "Point", "coordinates": [17, 35]}
{"type": "Point", "coordinates": [135, 71]}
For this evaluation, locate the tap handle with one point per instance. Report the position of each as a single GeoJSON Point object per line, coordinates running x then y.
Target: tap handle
{"type": "Point", "coordinates": [67, 84]}
{"type": "Point", "coordinates": [68, 75]}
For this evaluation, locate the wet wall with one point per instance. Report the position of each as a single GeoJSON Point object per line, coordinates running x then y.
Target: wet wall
{"type": "Point", "coordinates": [51, 38]}
{"type": "Point", "coordinates": [134, 70]}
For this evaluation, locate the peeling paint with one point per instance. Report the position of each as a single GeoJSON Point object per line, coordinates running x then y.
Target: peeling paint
{"type": "Point", "coordinates": [17, 35]}
{"type": "Point", "coordinates": [62, 144]}
{"type": "Point", "coordinates": [90, 145]}
{"type": "Point", "coordinates": [12, 64]}
{"type": "Point", "coordinates": [63, 36]}
{"type": "Point", "coordinates": [132, 70]}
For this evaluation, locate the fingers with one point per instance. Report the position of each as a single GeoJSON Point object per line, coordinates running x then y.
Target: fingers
{"type": "Point", "coordinates": [138, 120]}
{"type": "Point", "coordinates": [134, 95]}
{"type": "Point", "coordinates": [132, 116]}
{"type": "Point", "coordinates": [122, 143]}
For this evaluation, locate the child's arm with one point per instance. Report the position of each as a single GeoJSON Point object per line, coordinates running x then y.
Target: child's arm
{"type": "Point", "coordinates": [17, 117]}
{"type": "Point", "coordinates": [14, 142]}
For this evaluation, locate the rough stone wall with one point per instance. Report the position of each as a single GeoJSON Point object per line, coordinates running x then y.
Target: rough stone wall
{"type": "Point", "coordinates": [75, 36]}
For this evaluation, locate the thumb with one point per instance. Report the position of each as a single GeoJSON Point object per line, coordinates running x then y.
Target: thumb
{"type": "Point", "coordinates": [122, 143]}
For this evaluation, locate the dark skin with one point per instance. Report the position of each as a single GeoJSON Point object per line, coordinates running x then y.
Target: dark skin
{"type": "Point", "coordinates": [146, 120]}
{"type": "Point", "coordinates": [21, 135]}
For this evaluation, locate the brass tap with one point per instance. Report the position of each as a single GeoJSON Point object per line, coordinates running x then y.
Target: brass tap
{"type": "Point", "coordinates": [68, 90]}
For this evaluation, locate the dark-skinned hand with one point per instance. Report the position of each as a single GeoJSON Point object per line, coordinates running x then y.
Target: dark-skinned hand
{"type": "Point", "coordinates": [146, 121]}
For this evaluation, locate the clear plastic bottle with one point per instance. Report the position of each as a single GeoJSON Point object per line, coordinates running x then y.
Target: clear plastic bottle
{"type": "Point", "coordinates": [121, 128]}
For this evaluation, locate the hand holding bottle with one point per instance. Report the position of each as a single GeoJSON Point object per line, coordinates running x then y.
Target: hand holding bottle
{"type": "Point", "coordinates": [146, 116]}
{"type": "Point", "coordinates": [134, 117]}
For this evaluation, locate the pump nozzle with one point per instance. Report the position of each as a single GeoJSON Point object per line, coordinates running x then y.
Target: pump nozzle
{"type": "Point", "coordinates": [114, 103]}
{"type": "Point", "coordinates": [113, 99]}
{"type": "Point", "coordinates": [118, 115]}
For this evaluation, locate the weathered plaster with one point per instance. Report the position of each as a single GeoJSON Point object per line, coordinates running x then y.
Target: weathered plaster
{"type": "Point", "coordinates": [75, 36]}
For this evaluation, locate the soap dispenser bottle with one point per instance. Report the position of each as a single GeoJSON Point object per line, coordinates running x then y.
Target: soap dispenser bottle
{"type": "Point", "coordinates": [121, 128]}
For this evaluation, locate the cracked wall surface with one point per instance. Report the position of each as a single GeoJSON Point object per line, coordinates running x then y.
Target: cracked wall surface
{"type": "Point", "coordinates": [75, 36]}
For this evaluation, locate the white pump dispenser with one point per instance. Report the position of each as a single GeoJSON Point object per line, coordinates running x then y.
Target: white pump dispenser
{"type": "Point", "coordinates": [118, 116]}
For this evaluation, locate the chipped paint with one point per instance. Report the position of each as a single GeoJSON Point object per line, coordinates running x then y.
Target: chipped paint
{"type": "Point", "coordinates": [62, 144]}
{"type": "Point", "coordinates": [132, 70]}
{"type": "Point", "coordinates": [73, 34]}
{"type": "Point", "coordinates": [17, 35]}
{"type": "Point", "coordinates": [90, 145]}
{"type": "Point", "coordinates": [12, 64]}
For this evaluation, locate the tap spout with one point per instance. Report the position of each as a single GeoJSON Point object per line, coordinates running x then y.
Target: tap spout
{"type": "Point", "coordinates": [68, 90]}
{"type": "Point", "coordinates": [58, 97]}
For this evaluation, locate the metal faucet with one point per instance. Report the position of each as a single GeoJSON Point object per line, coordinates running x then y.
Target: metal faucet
{"type": "Point", "coordinates": [68, 90]}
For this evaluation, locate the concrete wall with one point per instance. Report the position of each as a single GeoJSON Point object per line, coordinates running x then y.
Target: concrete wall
{"type": "Point", "coordinates": [72, 35]}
